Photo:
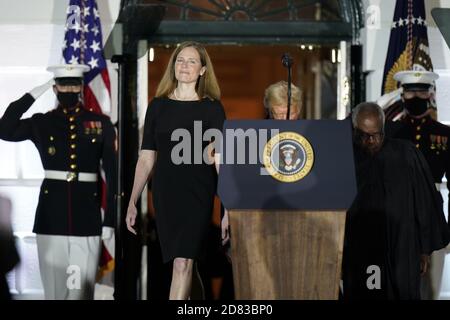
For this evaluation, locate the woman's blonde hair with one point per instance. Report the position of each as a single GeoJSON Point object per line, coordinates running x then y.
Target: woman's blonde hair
{"type": "Point", "coordinates": [206, 86]}
{"type": "Point", "coordinates": [276, 94]}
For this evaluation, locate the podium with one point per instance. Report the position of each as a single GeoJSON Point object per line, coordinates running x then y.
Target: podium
{"type": "Point", "coordinates": [287, 207]}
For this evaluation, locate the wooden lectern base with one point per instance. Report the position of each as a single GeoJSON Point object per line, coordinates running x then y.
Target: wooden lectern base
{"type": "Point", "coordinates": [286, 254]}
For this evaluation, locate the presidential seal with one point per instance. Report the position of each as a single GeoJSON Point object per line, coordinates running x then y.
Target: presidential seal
{"type": "Point", "coordinates": [288, 157]}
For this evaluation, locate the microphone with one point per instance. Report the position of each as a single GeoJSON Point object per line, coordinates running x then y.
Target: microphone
{"type": "Point", "coordinates": [286, 60]}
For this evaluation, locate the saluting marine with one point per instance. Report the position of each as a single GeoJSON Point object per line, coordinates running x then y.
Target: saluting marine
{"type": "Point", "coordinates": [73, 144]}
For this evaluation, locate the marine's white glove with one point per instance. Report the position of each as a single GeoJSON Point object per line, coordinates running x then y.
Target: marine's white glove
{"type": "Point", "coordinates": [107, 233]}
{"type": "Point", "coordinates": [38, 91]}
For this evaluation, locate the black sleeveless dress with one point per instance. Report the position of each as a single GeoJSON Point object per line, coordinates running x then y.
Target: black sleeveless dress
{"type": "Point", "coordinates": [183, 184]}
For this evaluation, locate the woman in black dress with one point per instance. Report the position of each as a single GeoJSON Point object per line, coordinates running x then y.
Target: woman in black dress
{"type": "Point", "coordinates": [180, 162]}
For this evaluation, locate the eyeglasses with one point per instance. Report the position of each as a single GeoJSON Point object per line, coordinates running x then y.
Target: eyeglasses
{"type": "Point", "coordinates": [419, 94]}
{"type": "Point", "coordinates": [364, 136]}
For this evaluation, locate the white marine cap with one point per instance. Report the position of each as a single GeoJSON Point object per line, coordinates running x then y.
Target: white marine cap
{"type": "Point", "coordinates": [68, 70]}
{"type": "Point", "coordinates": [416, 80]}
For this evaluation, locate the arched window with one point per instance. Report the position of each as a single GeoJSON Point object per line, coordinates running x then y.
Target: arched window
{"type": "Point", "coordinates": [257, 21]}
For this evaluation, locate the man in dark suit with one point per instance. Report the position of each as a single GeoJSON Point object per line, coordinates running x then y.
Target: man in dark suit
{"type": "Point", "coordinates": [73, 144]}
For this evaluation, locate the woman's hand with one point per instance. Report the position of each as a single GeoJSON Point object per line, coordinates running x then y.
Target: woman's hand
{"type": "Point", "coordinates": [144, 169]}
{"type": "Point", "coordinates": [225, 228]}
{"type": "Point", "coordinates": [131, 217]}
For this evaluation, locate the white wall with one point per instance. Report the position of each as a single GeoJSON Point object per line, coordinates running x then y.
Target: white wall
{"type": "Point", "coordinates": [31, 33]}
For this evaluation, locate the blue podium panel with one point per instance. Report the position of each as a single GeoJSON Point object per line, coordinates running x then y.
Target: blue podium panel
{"type": "Point", "coordinates": [273, 164]}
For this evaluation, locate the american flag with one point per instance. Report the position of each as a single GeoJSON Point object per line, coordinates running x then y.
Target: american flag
{"type": "Point", "coordinates": [83, 44]}
{"type": "Point", "coordinates": [408, 47]}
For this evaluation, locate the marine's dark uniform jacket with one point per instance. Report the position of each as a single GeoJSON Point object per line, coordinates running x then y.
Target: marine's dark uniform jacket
{"type": "Point", "coordinates": [432, 138]}
{"type": "Point", "coordinates": [73, 141]}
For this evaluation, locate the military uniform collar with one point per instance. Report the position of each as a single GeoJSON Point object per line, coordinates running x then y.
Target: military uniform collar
{"type": "Point", "coordinates": [418, 121]}
{"type": "Point", "coordinates": [74, 112]}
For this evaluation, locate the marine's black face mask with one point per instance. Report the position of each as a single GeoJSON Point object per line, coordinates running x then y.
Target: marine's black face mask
{"type": "Point", "coordinates": [68, 99]}
{"type": "Point", "coordinates": [416, 106]}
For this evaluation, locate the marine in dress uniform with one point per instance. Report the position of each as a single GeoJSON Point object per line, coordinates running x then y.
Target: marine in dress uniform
{"type": "Point", "coordinates": [431, 137]}
{"type": "Point", "coordinates": [73, 144]}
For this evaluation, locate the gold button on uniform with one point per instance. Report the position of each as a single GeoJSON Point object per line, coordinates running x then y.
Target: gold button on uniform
{"type": "Point", "coordinates": [71, 119]}
{"type": "Point", "coordinates": [73, 166]}
{"type": "Point", "coordinates": [418, 128]}
{"type": "Point", "coordinates": [417, 145]}
{"type": "Point", "coordinates": [46, 191]}
{"type": "Point", "coordinates": [72, 126]}
{"type": "Point", "coordinates": [73, 156]}
{"type": "Point", "coordinates": [94, 140]}
{"type": "Point", "coordinates": [418, 137]}
{"type": "Point", "coordinates": [73, 146]}
{"type": "Point", "coordinates": [73, 136]}
{"type": "Point", "coordinates": [51, 138]}
{"type": "Point", "coordinates": [51, 150]}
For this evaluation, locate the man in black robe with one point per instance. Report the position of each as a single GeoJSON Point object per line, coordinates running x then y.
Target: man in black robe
{"type": "Point", "coordinates": [396, 220]}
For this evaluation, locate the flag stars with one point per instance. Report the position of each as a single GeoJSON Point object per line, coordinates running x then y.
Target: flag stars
{"type": "Point", "coordinates": [85, 28]}
{"type": "Point", "coordinates": [76, 27]}
{"type": "Point", "coordinates": [95, 46]}
{"type": "Point", "coordinates": [75, 44]}
{"type": "Point", "coordinates": [95, 30]}
{"type": "Point", "coordinates": [93, 63]}
{"type": "Point", "coordinates": [408, 20]}
{"type": "Point", "coordinates": [96, 13]}
{"type": "Point", "coordinates": [83, 45]}
{"type": "Point", "coordinates": [73, 60]}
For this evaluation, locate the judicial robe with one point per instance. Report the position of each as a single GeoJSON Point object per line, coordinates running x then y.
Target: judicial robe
{"type": "Point", "coordinates": [396, 216]}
